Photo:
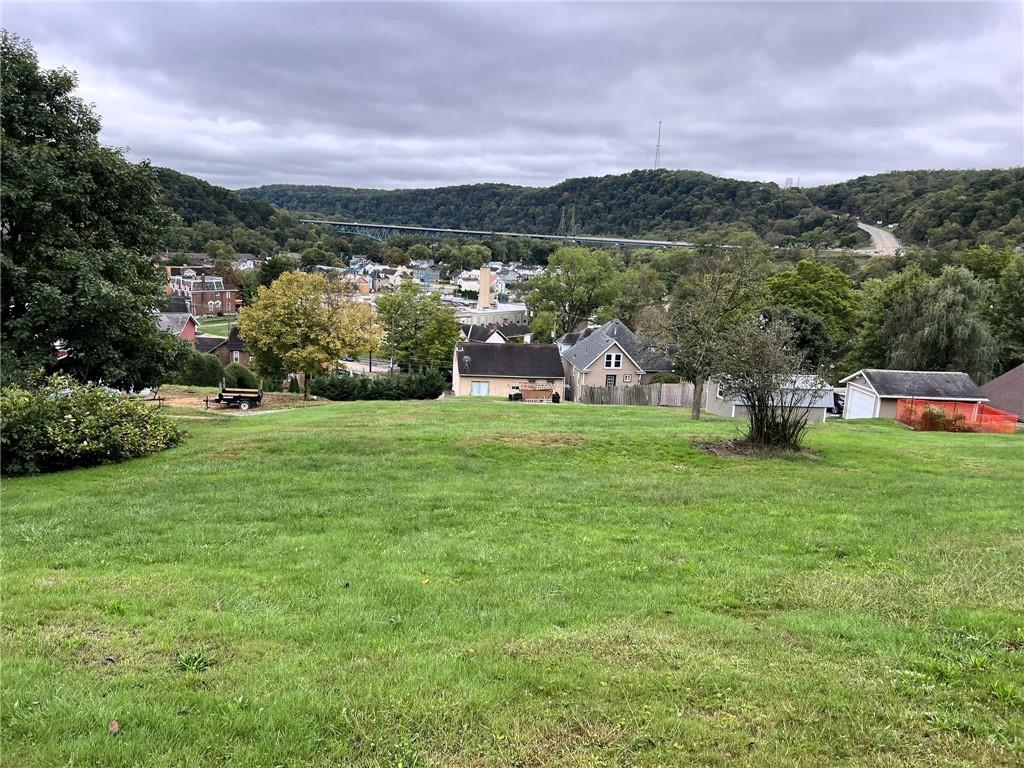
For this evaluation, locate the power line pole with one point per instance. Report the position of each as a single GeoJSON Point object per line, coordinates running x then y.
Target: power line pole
{"type": "Point", "coordinates": [657, 147]}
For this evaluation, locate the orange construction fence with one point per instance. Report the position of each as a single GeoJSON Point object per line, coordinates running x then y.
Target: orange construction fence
{"type": "Point", "coordinates": [952, 416]}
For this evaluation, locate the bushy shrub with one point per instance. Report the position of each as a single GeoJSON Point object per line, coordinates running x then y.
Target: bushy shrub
{"type": "Point", "coordinates": [935, 419]}
{"type": "Point", "coordinates": [60, 424]}
{"type": "Point", "coordinates": [293, 386]}
{"type": "Point", "coordinates": [237, 375]}
{"type": "Point", "coordinates": [665, 378]}
{"type": "Point", "coordinates": [200, 370]}
{"type": "Point", "coordinates": [424, 385]}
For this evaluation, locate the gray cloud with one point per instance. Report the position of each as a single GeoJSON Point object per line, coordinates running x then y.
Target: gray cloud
{"type": "Point", "coordinates": [402, 95]}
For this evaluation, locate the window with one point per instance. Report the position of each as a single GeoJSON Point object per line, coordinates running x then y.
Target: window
{"type": "Point", "coordinates": [210, 304]}
{"type": "Point", "coordinates": [480, 389]}
{"type": "Point", "coordinates": [626, 378]}
{"type": "Point", "coordinates": [613, 360]}
{"type": "Point", "coordinates": [236, 356]}
{"type": "Point", "coordinates": [609, 380]}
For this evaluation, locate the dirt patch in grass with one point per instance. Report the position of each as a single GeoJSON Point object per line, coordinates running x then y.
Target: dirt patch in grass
{"type": "Point", "coordinates": [235, 449]}
{"type": "Point", "coordinates": [529, 440]}
{"type": "Point", "coordinates": [741, 449]}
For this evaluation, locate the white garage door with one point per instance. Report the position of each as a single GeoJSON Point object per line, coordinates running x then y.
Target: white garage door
{"type": "Point", "coordinates": [859, 404]}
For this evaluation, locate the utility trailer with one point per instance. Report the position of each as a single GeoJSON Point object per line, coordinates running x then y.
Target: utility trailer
{"type": "Point", "coordinates": [244, 399]}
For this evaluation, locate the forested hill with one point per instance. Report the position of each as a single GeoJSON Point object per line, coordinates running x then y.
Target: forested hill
{"type": "Point", "coordinates": [671, 204]}
{"type": "Point", "coordinates": [196, 200]}
{"type": "Point", "coordinates": [937, 208]}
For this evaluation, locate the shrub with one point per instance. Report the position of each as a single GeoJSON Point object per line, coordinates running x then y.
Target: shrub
{"type": "Point", "coordinates": [61, 424]}
{"type": "Point", "coordinates": [237, 375]}
{"type": "Point", "coordinates": [665, 378]}
{"type": "Point", "coordinates": [200, 370]}
{"type": "Point", "coordinates": [424, 385]}
{"type": "Point", "coordinates": [293, 386]}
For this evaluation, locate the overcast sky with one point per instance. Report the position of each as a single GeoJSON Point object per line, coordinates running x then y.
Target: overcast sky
{"type": "Point", "coordinates": [407, 95]}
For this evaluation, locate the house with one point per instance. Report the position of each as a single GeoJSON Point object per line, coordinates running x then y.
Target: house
{"type": "Point", "coordinates": [803, 392]}
{"type": "Point", "coordinates": [872, 393]}
{"type": "Point", "coordinates": [609, 355]}
{"type": "Point", "coordinates": [180, 324]}
{"type": "Point", "coordinates": [487, 334]}
{"type": "Point", "coordinates": [480, 369]}
{"type": "Point", "coordinates": [1006, 392]}
{"type": "Point", "coordinates": [229, 349]}
{"type": "Point", "coordinates": [205, 294]}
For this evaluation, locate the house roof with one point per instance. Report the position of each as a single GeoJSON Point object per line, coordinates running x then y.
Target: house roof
{"type": "Point", "coordinates": [1006, 392]}
{"type": "Point", "coordinates": [535, 361]}
{"type": "Point", "coordinates": [477, 332]}
{"type": "Point", "coordinates": [804, 390]}
{"type": "Point", "coordinates": [209, 343]}
{"type": "Point", "coordinates": [176, 303]}
{"type": "Point", "coordinates": [173, 322]}
{"type": "Point", "coordinates": [584, 348]}
{"type": "Point", "coordinates": [935, 385]}
{"type": "Point", "coordinates": [234, 341]}
{"type": "Point", "coordinates": [513, 330]}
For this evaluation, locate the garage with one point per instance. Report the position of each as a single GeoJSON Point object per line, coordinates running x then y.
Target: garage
{"type": "Point", "coordinates": [860, 404]}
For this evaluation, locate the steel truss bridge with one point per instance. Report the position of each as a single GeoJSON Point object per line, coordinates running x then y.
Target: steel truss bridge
{"type": "Point", "coordinates": [382, 233]}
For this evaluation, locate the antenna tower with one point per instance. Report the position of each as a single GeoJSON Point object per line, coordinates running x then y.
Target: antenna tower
{"type": "Point", "coordinates": [657, 149]}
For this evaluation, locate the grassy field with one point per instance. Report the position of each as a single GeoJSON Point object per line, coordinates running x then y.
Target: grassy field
{"type": "Point", "coordinates": [491, 584]}
{"type": "Point", "coordinates": [216, 326]}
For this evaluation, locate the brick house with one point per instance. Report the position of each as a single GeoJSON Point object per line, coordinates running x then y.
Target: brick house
{"type": "Point", "coordinates": [205, 295]}
{"type": "Point", "coordinates": [229, 349]}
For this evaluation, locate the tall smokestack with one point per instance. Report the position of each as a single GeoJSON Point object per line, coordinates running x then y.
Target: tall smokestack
{"type": "Point", "coordinates": [483, 300]}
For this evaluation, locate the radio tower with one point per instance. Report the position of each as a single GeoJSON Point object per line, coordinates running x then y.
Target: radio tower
{"type": "Point", "coordinates": [657, 149]}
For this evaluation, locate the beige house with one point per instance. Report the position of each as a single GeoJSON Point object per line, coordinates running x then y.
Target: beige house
{"type": "Point", "coordinates": [480, 369]}
{"type": "Point", "coordinates": [610, 355]}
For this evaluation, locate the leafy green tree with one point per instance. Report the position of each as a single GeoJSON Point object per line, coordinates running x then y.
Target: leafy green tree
{"type": "Point", "coordinates": [1007, 313]}
{"type": "Point", "coordinates": [218, 250]}
{"type": "Point", "coordinates": [809, 333]}
{"type": "Point", "coordinates": [419, 330]}
{"type": "Point", "coordinates": [916, 322]}
{"type": "Point", "coordinates": [817, 289]}
{"type": "Point", "coordinates": [395, 256]}
{"type": "Point", "coordinates": [274, 267]}
{"type": "Point", "coordinates": [575, 284]}
{"type": "Point", "coordinates": [639, 287]}
{"type": "Point", "coordinates": [418, 252]}
{"type": "Point", "coordinates": [985, 261]}
{"type": "Point", "coordinates": [317, 254]}
{"type": "Point", "coordinates": [707, 307]}
{"type": "Point", "coordinates": [80, 227]}
{"type": "Point", "coordinates": [300, 325]}
{"type": "Point", "coordinates": [542, 327]}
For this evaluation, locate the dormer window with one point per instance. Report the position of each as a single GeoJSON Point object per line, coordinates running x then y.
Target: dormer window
{"type": "Point", "coordinates": [613, 360]}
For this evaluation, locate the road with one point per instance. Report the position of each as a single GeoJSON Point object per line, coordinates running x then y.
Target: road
{"type": "Point", "coordinates": [882, 240]}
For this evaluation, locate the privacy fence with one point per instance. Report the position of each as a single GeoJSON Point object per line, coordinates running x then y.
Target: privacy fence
{"type": "Point", "coordinates": [952, 416]}
{"type": "Point", "coordinates": [672, 395]}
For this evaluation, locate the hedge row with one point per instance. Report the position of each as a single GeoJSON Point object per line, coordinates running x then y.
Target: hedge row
{"type": "Point", "coordinates": [425, 385]}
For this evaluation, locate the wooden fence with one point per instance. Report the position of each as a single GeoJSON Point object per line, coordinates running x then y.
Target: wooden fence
{"type": "Point", "coordinates": [674, 395]}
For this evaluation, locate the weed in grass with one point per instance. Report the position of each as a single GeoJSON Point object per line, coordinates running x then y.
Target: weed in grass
{"type": "Point", "coordinates": [197, 660]}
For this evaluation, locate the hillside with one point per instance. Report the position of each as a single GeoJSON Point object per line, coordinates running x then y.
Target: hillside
{"type": "Point", "coordinates": [196, 200]}
{"type": "Point", "coordinates": [671, 204]}
{"type": "Point", "coordinates": [492, 584]}
{"type": "Point", "coordinates": [936, 208]}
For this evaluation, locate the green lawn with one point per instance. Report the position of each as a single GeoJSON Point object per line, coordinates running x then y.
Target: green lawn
{"type": "Point", "coordinates": [491, 584]}
{"type": "Point", "coordinates": [216, 326]}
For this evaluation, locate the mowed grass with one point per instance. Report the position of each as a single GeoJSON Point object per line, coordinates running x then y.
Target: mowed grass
{"type": "Point", "coordinates": [491, 584]}
{"type": "Point", "coordinates": [214, 325]}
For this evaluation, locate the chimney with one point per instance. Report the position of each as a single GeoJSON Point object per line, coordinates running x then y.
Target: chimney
{"type": "Point", "coordinates": [483, 300]}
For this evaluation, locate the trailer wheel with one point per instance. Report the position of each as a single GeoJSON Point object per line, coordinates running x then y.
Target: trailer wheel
{"type": "Point", "coordinates": [244, 405]}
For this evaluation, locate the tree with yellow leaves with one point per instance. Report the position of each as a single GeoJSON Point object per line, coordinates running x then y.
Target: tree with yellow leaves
{"type": "Point", "coordinates": [304, 324]}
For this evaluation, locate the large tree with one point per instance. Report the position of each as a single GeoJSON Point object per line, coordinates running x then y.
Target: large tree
{"type": "Point", "coordinates": [639, 287]}
{"type": "Point", "coordinates": [419, 330]}
{"type": "Point", "coordinates": [724, 288]}
{"type": "Point", "coordinates": [305, 324]}
{"type": "Point", "coordinates": [1007, 312]}
{"type": "Point", "coordinates": [577, 282]}
{"type": "Point", "coordinates": [80, 227]}
{"type": "Point", "coordinates": [814, 288]}
{"type": "Point", "coordinates": [916, 322]}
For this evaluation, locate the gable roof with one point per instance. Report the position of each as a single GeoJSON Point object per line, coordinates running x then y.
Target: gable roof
{"type": "Point", "coordinates": [173, 322]}
{"type": "Point", "coordinates": [235, 341]}
{"type": "Point", "coordinates": [1006, 392]}
{"type": "Point", "coordinates": [209, 343]}
{"type": "Point", "coordinates": [934, 385]}
{"type": "Point", "coordinates": [588, 345]}
{"type": "Point", "coordinates": [478, 332]}
{"type": "Point", "coordinates": [513, 330]}
{"type": "Point", "coordinates": [534, 361]}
